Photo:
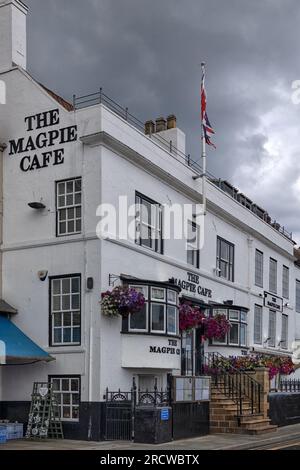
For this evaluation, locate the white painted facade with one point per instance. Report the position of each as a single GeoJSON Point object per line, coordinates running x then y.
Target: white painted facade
{"type": "Point", "coordinates": [114, 158]}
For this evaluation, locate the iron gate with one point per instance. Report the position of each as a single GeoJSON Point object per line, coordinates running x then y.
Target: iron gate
{"type": "Point", "coordinates": [121, 406]}
{"type": "Point", "coordinates": [119, 416]}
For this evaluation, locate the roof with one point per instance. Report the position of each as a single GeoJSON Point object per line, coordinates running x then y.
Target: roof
{"type": "Point", "coordinates": [68, 106]}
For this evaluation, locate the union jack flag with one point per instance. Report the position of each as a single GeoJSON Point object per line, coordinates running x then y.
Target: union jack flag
{"type": "Point", "coordinates": [207, 127]}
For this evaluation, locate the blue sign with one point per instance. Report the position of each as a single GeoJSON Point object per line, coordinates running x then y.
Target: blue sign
{"type": "Point", "coordinates": [165, 414]}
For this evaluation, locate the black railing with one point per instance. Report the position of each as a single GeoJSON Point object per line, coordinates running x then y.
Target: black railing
{"type": "Point", "coordinates": [237, 385]}
{"type": "Point", "coordinates": [139, 397]}
{"type": "Point", "coordinates": [290, 385]}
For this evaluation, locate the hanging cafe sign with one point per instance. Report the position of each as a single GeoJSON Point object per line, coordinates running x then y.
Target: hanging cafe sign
{"type": "Point", "coordinates": [38, 150]}
{"type": "Point", "coordinates": [192, 284]}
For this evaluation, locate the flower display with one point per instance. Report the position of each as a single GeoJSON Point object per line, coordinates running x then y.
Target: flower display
{"type": "Point", "coordinates": [191, 317]}
{"type": "Point", "coordinates": [276, 364]}
{"type": "Point", "coordinates": [122, 301]}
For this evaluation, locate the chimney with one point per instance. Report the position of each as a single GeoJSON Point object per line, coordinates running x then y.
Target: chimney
{"type": "Point", "coordinates": [171, 122]}
{"type": "Point", "coordinates": [149, 128]}
{"type": "Point", "coordinates": [12, 34]}
{"type": "Point", "coordinates": [161, 124]}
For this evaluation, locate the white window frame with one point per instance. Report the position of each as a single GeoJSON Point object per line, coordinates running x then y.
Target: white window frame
{"type": "Point", "coordinates": [164, 305]}
{"type": "Point", "coordinates": [259, 256]}
{"type": "Point", "coordinates": [155, 225]}
{"type": "Point", "coordinates": [176, 317]}
{"type": "Point", "coordinates": [285, 282]}
{"type": "Point", "coordinates": [284, 341]}
{"type": "Point", "coordinates": [144, 290]}
{"type": "Point", "coordinates": [154, 299]}
{"type": "Point", "coordinates": [274, 314]}
{"type": "Point", "coordinates": [64, 312]}
{"type": "Point", "coordinates": [68, 207]}
{"type": "Point", "coordinates": [273, 262]}
{"type": "Point", "coordinates": [193, 245]}
{"type": "Point", "coordinates": [62, 392]}
{"type": "Point", "coordinates": [258, 308]}
{"type": "Point", "coordinates": [228, 262]}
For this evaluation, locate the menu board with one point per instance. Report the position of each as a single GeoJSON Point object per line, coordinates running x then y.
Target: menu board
{"type": "Point", "coordinates": [191, 389]}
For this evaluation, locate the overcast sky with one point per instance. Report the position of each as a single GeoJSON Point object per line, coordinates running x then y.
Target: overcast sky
{"type": "Point", "coordinates": [146, 54]}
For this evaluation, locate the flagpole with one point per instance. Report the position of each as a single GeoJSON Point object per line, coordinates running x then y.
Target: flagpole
{"type": "Point", "coordinates": [203, 151]}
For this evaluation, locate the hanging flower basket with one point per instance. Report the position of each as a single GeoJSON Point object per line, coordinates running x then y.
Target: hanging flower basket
{"type": "Point", "coordinates": [191, 317]}
{"type": "Point", "coordinates": [122, 301]}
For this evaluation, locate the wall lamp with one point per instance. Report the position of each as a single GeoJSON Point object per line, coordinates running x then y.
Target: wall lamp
{"type": "Point", "coordinates": [280, 342]}
{"type": "Point", "coordinates": [37, 205]}
{"type": "Point", "coordinates": [268, 339]}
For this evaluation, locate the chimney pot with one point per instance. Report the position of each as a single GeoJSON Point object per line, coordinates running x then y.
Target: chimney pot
{"type": "Point", "coordinates": [149, 127]}
{"type": "Point", "coordinates": [171, 121]}
{"type": "Point", "coordinates": [161, 124]}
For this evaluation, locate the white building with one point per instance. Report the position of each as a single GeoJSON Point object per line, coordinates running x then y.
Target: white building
{"type": "Point", "coordinates": [68, 161]}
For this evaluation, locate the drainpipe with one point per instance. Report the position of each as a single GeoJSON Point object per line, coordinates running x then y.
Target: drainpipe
{"type": "Point", "coordinates": [249, 283]}
{"type": "Point", "coordinates": [2, 148]}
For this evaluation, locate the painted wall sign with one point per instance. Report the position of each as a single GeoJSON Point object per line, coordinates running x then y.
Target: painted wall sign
{"type": "Point", "coordinates": [273, 302]}
{"type": "Point", "coordinates": [172, 348]}
{"type": "Point", "coordinates": [45, 148]}
{"type": "Point", "coordinates": [192, 284]}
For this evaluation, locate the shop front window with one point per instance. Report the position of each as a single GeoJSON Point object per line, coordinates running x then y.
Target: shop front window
{"type": "Point", "coordinates": [67, 394]}
{"type": "Point", "coordinates": [160, 314]}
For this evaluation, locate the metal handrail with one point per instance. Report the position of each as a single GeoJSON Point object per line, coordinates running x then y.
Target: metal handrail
{"type": "Point", "coordinates": [235, 384]}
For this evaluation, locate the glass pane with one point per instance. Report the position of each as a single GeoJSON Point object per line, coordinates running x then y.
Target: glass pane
{"type": "Point", "coordinates": [66, 412]}
{"type": "Point", "coordinates": [75, 412]}
{"type": "Point", "coordinates": [78, 225]}
{"type": "Point", "coordinates": [56, 304]}
{"type": "Point", "coordinates": [70, 186]}
{"type": "Point", "coordinates": [76, 335]}
{"type": "Point", "coordinates": [56, 286]}
{"type": "Point", "coordinates": [78, 212]}
{"type": "Point", "coordinates": [61, 188]}
{"type": "Point", "coordinates": [78, 185]}
{"type": "Point", "coordinates": [57, 336]}
{"type": "Point", "coordinates": [66, 302]}
{"type": "Point", "coordinates": [243, 316]}
{"type": "Point", "coordinates": [61, 201]}
{"type": "Point", "coordinates": [63, 215]}
{"type": "Point", "coordinates": [172, 296]}
{"type": "Point", "coordinates": [62, 228]}
{"type": "Point", "coordinates": [66, 399]}
{"type": "Point", "coordinates": [172, 320]}
{"type": "Point", "coordinates": [243, 335]}
{"type": "Point", "coordinates": [142, 289]}
{"type": "Point", "coordinates": [234, 334]}
{"type": "Point", "coordinates": [233, 315]}
{"type": "Point", "coordinates": [138, 321]}
{"type": "Point", "coordinates": [70, 200]}
{"type": "Point", "coordinates": [56, 384]}
{"type": "Point", "coordinates": [71, 226]}
{"type": "Point", "coordinates": [74, 386]}
{"type": "Point", "coordinates": [67, 335]}
{"type": "Point", "coordinates": [58, 398]}
{"type": "Point", "coordinates": [75, 284]}
{"type": "Point", "coordinates": [71, 213]}
{"type": "Point", "coordinates": [157, 293]}
{"type": "Point", "coordinates": [65, 385]}
{"type": "Point", "coordinates": [76, 302]}
{"type": "Point", "coordinates": [75, 399]}
{"type": "Point", "coordinates": [67, 319]}
{"type": "Point", "coordinates": [57, 319]}
{"type": "Point", "coordinates": [76, 319]}
{"type": "Point", "coordinates": [78, 198]}
{"type": "Point", "coordinates": [66, 286]}
{"type": "Point", "coordinates": [158, 317]}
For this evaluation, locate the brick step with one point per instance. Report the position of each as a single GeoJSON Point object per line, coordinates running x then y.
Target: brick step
{"type": "Point", "coordinates": [256, 424]}
{"type": "Point", "coordinates": [258, 431]}
{"type": "Point", "coordinates": [244, 419]}
{"type": "Point", "coordinates": [228, 402]}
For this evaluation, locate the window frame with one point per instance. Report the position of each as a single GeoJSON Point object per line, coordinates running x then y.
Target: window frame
{"type": "Point", "coordinates": [230, 263]}
{"type": "Point", "coordinates": [150, 301]}
{"type": "Point", "coordinates": [239, 322]}
{"type": "Point", "coordinates": [261, 324]}
{"type": "Point", "coordinates": [157, 228]}
{"type": "Point", "coordinates": [60, 405]}
{"type": "Point", "coordinates": [75, 206]}
{"type": "Point", "coordinates": [285, 282]}
{"type": "Point", "coordinates": [273, 262]}
{"type": "Point", "coordinates": [285, 341]}
{"type": "Point", "coordinates": [51, 312]}
{"type": "Point", "coordinates": [256, 280]}
{"type": "Point", "coordinates": [196, 252]}
{"type": "Point", "coordinates": [274, 313]}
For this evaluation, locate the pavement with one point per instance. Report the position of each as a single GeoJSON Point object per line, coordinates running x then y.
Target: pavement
{"type": "Point", "coordinates": [287, 437]}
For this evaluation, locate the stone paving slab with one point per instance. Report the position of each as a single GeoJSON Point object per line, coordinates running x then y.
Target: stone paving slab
{"type": "Point", "coordinates": [210, 442]}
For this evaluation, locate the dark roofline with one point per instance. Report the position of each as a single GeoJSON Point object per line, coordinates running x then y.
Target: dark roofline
{"type": "Point", "coordinates": [68, 106]}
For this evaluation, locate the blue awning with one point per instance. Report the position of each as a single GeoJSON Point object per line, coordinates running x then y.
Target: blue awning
{"type": "Point", "coordinates": [16, 348]}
